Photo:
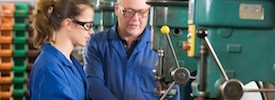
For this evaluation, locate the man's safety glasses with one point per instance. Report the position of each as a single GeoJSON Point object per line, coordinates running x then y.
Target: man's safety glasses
{"type": "Point", "coordinates": [128, 12]}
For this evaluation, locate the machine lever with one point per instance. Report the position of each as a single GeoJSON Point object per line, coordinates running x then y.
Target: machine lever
{"type": "Point", "coordinates": [193, 77]}
{"type": "Point", "coordinates": [165, 30]}
{"type": "Point", "coordinates": [202, 33]}
{"type": "Point", "coordinates": [167, 91]}
{"type": "Point", "coordinates": [259, 90]}
{"type": "Point", "coordinates": [167, 2]}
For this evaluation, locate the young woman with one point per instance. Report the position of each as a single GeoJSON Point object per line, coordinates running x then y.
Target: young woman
{"type": "Point", "coordinates": [59, 26]}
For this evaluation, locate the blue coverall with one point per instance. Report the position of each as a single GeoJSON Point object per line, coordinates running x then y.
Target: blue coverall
{"type": "Point", "coordinates": [113, 75]}
{"type": "Point", "coordinates": [53, 77]}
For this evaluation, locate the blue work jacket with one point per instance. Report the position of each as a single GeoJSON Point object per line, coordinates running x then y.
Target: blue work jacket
{"type": "Point", "coordinates": [53, 77]}
{"type": "Point", "coordinates": [112, 75]}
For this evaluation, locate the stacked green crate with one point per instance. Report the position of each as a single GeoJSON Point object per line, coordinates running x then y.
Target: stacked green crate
{"type": "Point", "coordinates": [20, 51]}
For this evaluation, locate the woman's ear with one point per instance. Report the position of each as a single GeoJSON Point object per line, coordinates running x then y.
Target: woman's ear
{"type": "Point", "coordinates": [67, 23]}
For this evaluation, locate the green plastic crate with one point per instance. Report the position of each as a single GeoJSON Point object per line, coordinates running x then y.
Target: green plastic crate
{"type": "Point", "coordinates": [20, 37]}
{"type": "Point", "coordinates": [21, 10]}
{"type": "Point", "coordinates": [20, 26]}
{"type": "Point", "coordinates": [19, 90]}
{"type": "Point", "coordinates": [20, 19]}
{"type": "Point", "coordinates": [20, 50]}
{"type": "Point", "coordinates": [20, 77]}
{"type": "Point", "coordinates": [19, 98]}
{"type": "Point", "coordinates": [19, 68]}
{"type": "Point", "coordinates": [19, 80]}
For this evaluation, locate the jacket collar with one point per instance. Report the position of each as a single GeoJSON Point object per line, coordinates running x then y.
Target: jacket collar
{"type": "Point", "coordinates": [117, 44]}
{"type": "Point", "coordinates": [113, 34]}
{"type": "Point", "coordinates": [49, 48]}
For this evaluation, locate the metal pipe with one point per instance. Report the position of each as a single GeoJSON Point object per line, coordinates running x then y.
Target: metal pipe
{"type": "Point", "coordinates": [203, 61]}
{"type": "Point", "coordinates": [151, 22]}
{"type": "Point", "coordinates": [160, 68]}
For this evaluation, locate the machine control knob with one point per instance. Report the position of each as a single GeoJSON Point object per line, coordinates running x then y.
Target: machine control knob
{"type": "Point", "coordinates": [232, 89]}
{"type": "Point", "coordinates": [202, 32]}
{"type": "Point", "coordinates": [165, 29]}
{"type": "Point", "coordinates": [185, 46]}
{"type": "Point", "coordinates": [180, 75]}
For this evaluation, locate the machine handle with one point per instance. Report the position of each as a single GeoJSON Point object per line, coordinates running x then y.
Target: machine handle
{"type": "Point", "coordinates": [167, 91]}
{"type": "Point", "coordinates": [259, 90]}
{"type": "Point", "coordinates": [202, 33]}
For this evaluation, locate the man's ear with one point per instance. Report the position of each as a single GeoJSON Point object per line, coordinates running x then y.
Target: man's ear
{"type": "Point", "coordinates": [67, 23]}
{"type": "Point", "coordinates": [116, 10]}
